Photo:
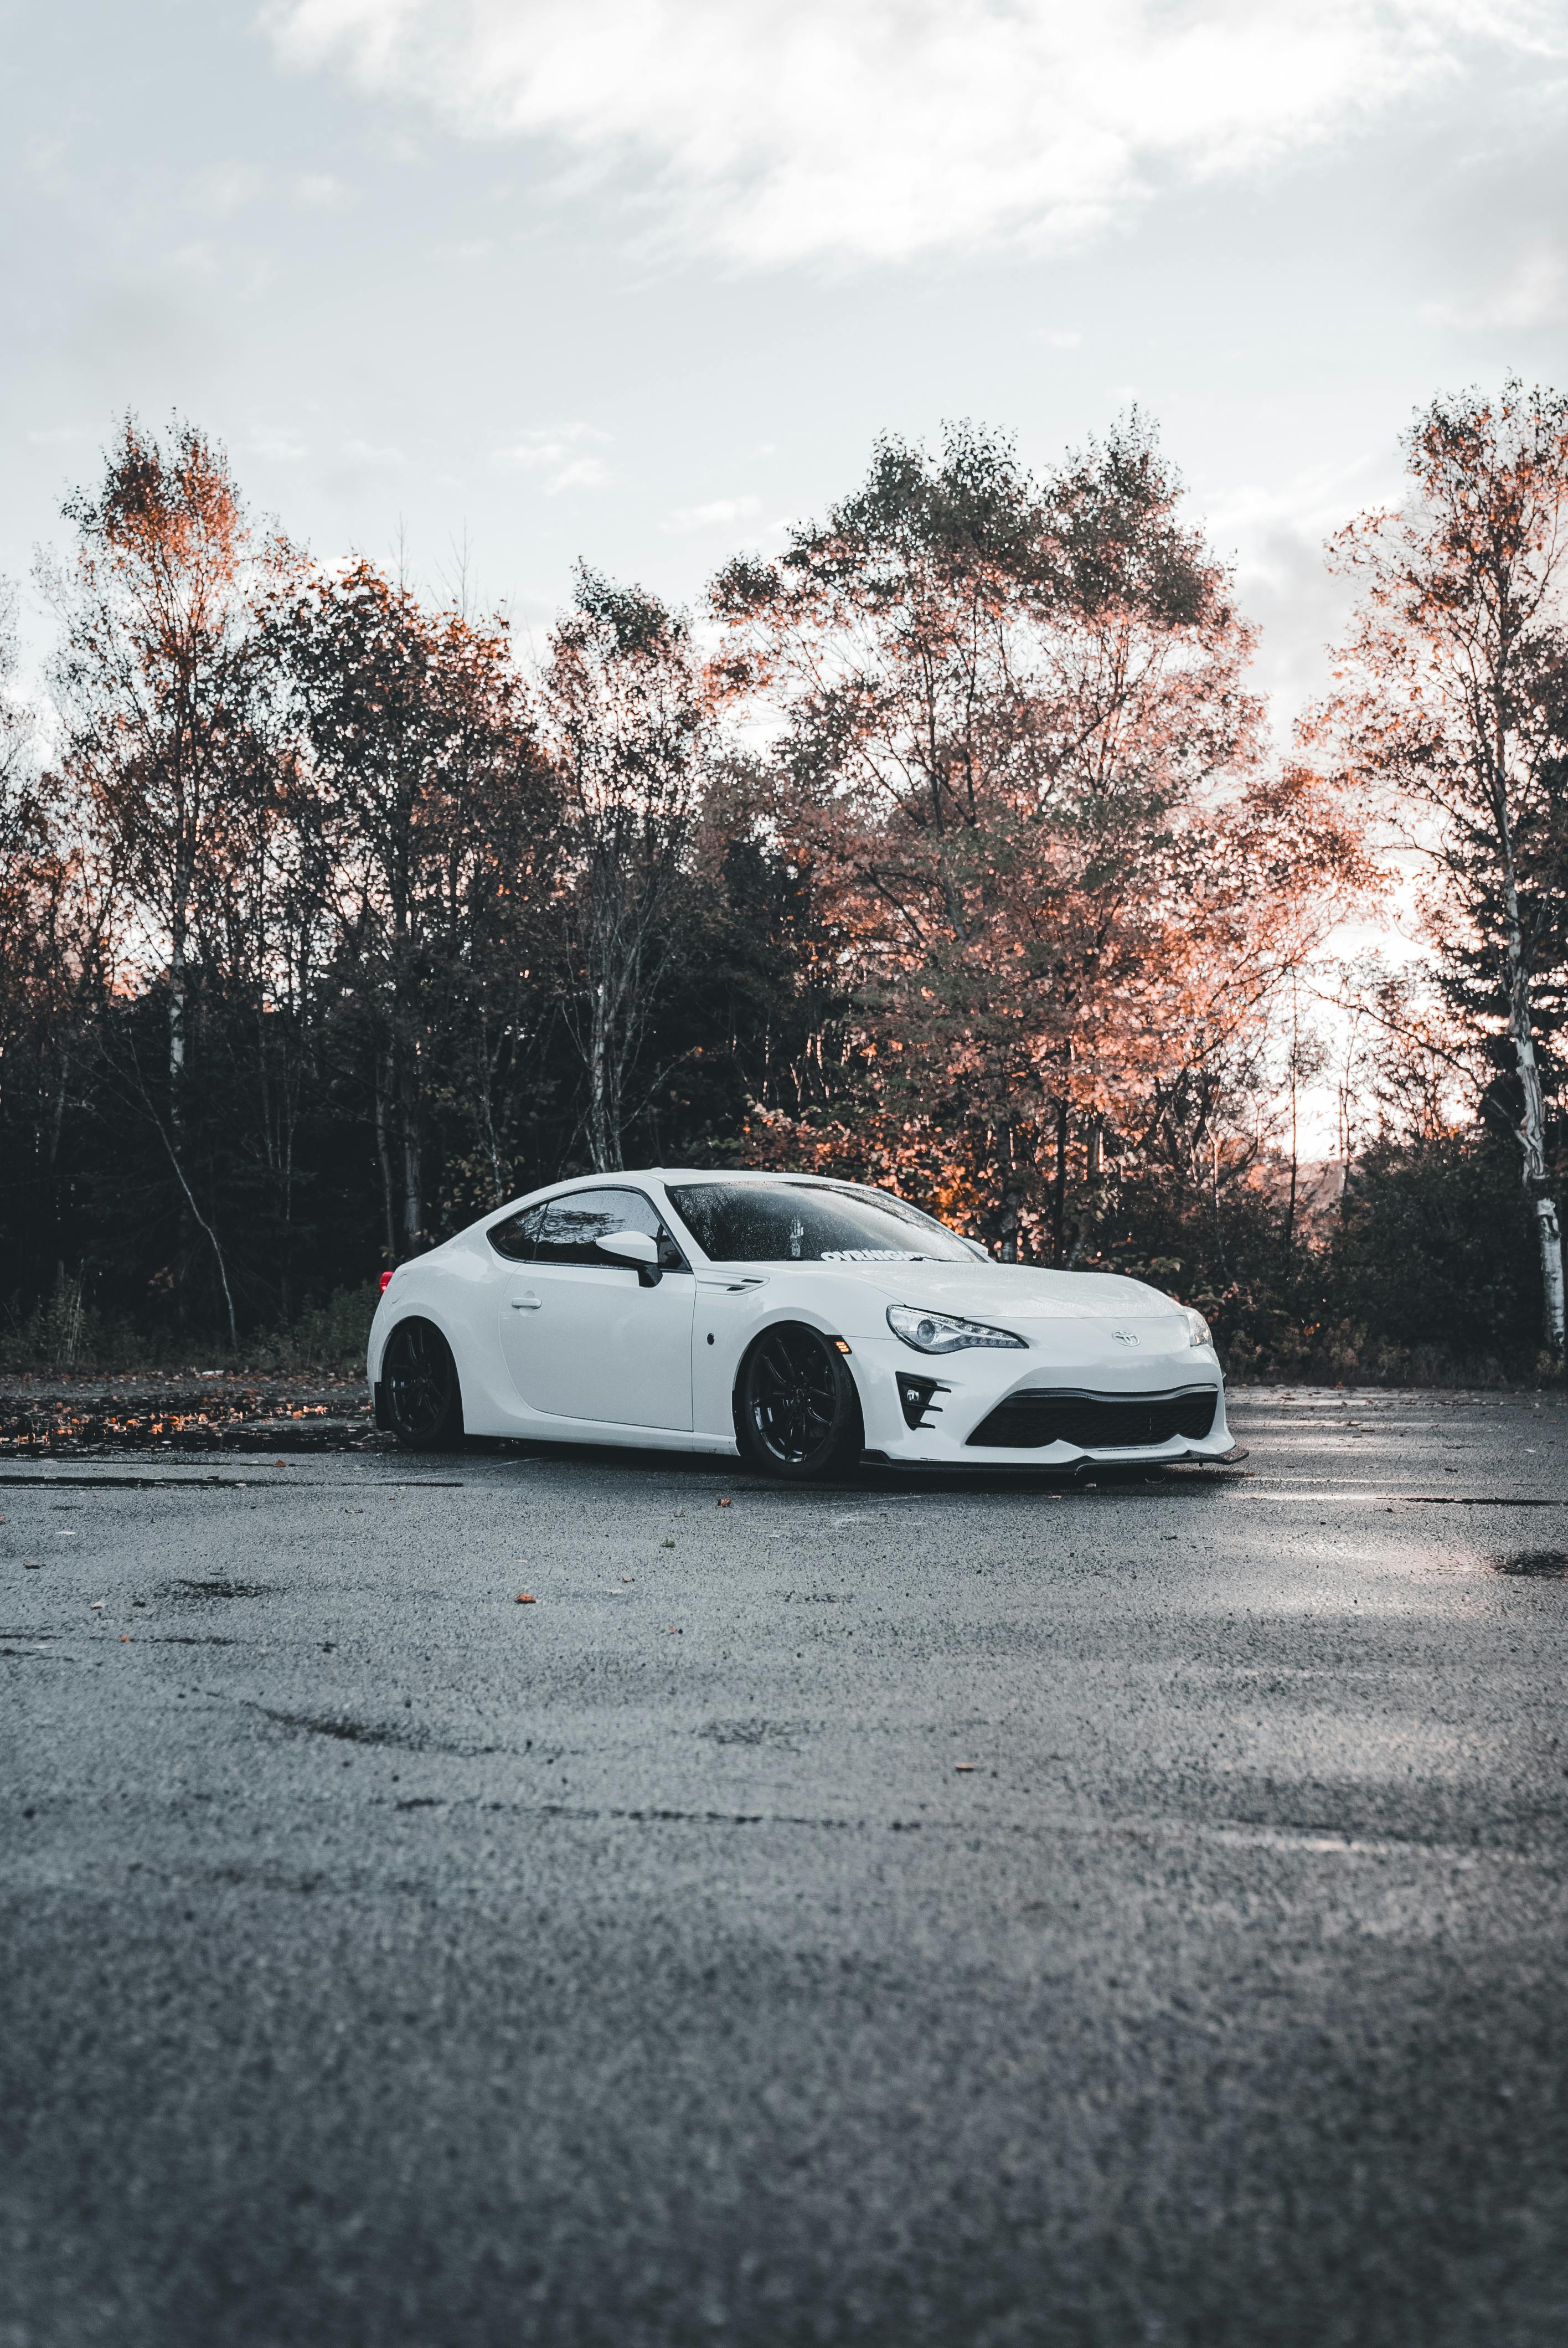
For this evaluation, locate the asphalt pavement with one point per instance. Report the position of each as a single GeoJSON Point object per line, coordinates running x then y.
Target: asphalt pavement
{"type": "Point", "coordinates": [904, 1914]}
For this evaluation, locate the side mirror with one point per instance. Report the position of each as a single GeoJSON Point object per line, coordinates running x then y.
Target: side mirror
{"type": "Point", "coordinates": [630, 1247]}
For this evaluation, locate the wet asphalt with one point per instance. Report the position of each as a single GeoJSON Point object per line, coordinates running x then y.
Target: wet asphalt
{"type": "Point", "coordinates": [385, 1961]}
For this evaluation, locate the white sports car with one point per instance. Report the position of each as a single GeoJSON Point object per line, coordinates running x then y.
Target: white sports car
{"type": "Point", "coordinates": [804, 1323]}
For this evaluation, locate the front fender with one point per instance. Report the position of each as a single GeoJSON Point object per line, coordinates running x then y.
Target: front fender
{"type": "Point", "coordinates": [728, 1323]}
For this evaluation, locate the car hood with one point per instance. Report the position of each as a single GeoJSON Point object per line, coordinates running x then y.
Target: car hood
{"type": "Point", "coordinates": [1021, 1293]}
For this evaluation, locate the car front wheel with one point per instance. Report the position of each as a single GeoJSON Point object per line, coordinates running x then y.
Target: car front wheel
{"type": "Point", "coordinates": [797, 1414]}
{"type": "Point", "coordinates": [424, 1402]}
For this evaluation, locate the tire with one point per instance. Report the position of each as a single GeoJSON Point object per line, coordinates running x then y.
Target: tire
{"type": "Point", "coordinates": [423, 1400]}
{"type": "Point", "coordinates": [797, 1414]}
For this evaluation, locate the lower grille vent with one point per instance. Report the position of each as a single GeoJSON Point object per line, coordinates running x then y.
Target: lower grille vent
{"type": "Point", "coordinates": [1028, 1421]}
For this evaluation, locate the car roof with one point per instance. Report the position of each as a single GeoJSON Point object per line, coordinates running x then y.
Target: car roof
{"type": "Point", "coordinates": [623, 1175]}
{"type": "Point", "coordinates": [667, 1174]}
{"type": "Point", "coordinates": [745, 1174]}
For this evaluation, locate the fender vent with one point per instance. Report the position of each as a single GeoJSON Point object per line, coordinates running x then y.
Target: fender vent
{"type": "Point", "coordinates": [1028, 1421]}
{"type": "Point", "coordinates": [917, 1397]}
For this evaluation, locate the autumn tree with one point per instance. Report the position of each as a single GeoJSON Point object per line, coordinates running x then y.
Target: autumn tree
{"type": "Point", "coordinates": [162, 739]}
{"type": "Point", "coordinates": [628, 716]}
{"type": "Point", "coordinates": [1016, 741]}
{"type": "Point", "coordinates": [1452, 712]}
{"type": "Point", "coordinates": [428, 816]}
{"type": "Point", "coordinates": [156, 677]}
{"type": "Point", "coordinates": [16, 720]}
{"type": "Point", "coordinates": [38, 900]}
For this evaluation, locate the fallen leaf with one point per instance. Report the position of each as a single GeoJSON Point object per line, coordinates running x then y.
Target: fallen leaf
{"type": "Point", "coordinates": [527, 1598]}
{"type": "Point", "coordinates": [125, 1638]}
{"type": "Point", "coordinates": [964, 1765]}
{"type": "Point", "coordinates": [726, 1504]}
{"type": "Point", "coordinates": [97, 1603]}
{"type": "Point", "coordinates": [32, 1566]}
{"type": "Point", "coordinates": [669, 1544]}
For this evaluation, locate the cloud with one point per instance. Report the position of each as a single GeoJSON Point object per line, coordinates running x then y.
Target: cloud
{"type": "Point", "coordinates": [557, 453]}
{"type": "Point", "coordinates": [582, 473]}
{"type": "Point", "coordinates": [1275, 537]}
{"type": "Point", "coordinates": [318, 189]}
{"type": "Point", "coordinates": [196, 260]}
{"type": "Point", "coordinates": [720, 514]}
{"type": "Point", "coordinates": [1533, 293]}
{"type": "Point", "coordinates": [226, 188]}
{"type": "Point", "coordinates": [1311, 502]}
{"type": "Point", "coordinates": [790, 129]}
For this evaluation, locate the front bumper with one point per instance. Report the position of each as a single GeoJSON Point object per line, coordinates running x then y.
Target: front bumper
{"type": "Point", "coordinates": [969, 1389]}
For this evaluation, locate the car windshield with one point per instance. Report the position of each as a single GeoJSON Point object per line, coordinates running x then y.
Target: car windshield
{"type": "Point", "coordinates": [801, 1223]}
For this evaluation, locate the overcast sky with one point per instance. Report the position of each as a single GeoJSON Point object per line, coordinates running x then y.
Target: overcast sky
{"type": "Point", "coordinates": [639, 280]}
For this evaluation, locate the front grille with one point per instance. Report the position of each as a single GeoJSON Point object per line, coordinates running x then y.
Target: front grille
{"type": "Point", "coordinates": [1028, 1421]}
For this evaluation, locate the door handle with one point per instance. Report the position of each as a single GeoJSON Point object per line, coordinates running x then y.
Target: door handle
{"type": "Point", "coordinates": [527, 1302]}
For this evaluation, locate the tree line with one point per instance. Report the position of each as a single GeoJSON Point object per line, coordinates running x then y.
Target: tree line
{"type": "Point", "coordinates": [948, 848]}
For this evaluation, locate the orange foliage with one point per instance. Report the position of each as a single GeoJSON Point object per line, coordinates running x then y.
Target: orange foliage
{"type": "Point", "coordinates": [1017, 755]}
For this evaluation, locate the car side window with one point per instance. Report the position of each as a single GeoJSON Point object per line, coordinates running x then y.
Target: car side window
{"type": "Point", "coordinates": [515, 1238]}
{"type": "Point", "coordinates": [568, 1229]}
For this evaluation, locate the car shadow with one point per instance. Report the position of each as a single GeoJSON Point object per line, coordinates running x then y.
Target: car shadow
{"type": "Point", "coordinates": [704, 1470]}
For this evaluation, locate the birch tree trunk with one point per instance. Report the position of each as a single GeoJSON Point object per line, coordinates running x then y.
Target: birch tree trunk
{"type": "Point", "coordinates": [384, 1159]}
{"type": "Point", "coordinates": [603, 1122]}
{"type": "Point", "coordinates": [1533, 1125]}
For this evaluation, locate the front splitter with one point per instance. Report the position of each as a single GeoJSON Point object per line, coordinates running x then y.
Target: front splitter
{"type": "Point", "coordinates": [1072, 1470]}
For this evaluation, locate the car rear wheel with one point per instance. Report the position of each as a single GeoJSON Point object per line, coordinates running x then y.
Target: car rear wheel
{"type": "Point", "coordinates": [424, 1402]}
{"type": "Point", "coordinates": [797, 1414]}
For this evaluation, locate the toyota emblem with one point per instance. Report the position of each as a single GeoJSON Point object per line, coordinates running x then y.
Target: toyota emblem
{"type": "Point", "coordinates": [1125, 1336]}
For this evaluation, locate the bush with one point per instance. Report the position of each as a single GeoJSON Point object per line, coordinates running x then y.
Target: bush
{"type": "Point", "coordinates": [1435, 1251]}
{"type": "Point", "coordinates": [63, 1332]}
{"type": "Point", "coordinates": [329, 1336]}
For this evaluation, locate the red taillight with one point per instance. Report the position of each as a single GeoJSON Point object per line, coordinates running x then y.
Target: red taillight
{"type": "Point", "coordinates": [385, 1279]}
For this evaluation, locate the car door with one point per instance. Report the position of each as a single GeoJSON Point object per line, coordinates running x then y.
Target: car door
{"type": "Point", "coordinates": [587, 1337]}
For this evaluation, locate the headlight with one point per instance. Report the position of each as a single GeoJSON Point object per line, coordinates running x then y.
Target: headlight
{"type": "Point", "coordinates": [1198, 1330]}
{"type": "Point", "coordinates": [940, 1333]}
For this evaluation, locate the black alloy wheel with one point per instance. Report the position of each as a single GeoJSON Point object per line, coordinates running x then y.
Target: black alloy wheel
{"type": "Point", "coordinates": [797, 1414]}
{"type": "Point", "coordinates": [419, 1384]}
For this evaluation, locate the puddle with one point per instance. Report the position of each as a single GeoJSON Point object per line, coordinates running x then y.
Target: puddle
{"type": "Point", "coordinates": [353, 1731]}
{"type": "Point", "coordinates": [1533, 1564]}
{"type": "Point", "coordinates": [1475, 1501]}
{"type": "Point", "coordinates": [216, 1590]}
{"type": "Point", "coordinates": [751, 1731]}
{"type": "Point", "coordinates": [406, 1738]}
